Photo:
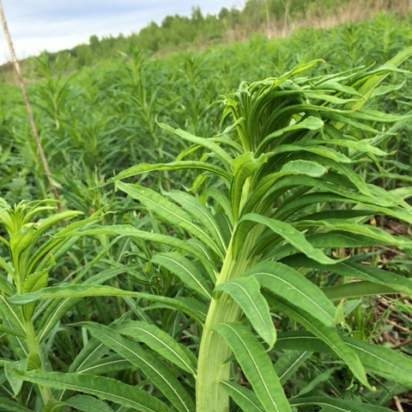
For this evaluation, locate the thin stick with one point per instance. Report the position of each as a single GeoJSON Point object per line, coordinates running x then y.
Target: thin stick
{"type": "Point", "coordinates": [398, 404]}
{"type": "Point", "coordinates": [27, 105]}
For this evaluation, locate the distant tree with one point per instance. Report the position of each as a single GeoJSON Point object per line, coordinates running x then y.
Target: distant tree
{"type": "Point", "coordinates": [197, 15]}
{"type": "Point", "coordinates": [94, 42]}
{"type": "Point", "coordinates": [224, 13]}
{"type": "Point", "coordinates": [83, 54]}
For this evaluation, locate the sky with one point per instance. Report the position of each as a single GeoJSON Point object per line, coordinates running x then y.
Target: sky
{"type": "Point", "coordinates": [52, 25]}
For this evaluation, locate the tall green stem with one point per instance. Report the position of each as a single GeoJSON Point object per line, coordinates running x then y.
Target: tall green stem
{"type": "Point", "coordinates": [213, 366]}
{"type": "Point", "coordinates": [35, 361]}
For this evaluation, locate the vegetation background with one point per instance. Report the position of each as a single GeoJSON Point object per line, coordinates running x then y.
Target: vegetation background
{"type": "Point", "coordinates": [101, 108]}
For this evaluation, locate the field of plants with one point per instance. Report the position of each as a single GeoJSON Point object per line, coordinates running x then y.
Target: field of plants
{"type": "Point", "coordinates": [232, 232]}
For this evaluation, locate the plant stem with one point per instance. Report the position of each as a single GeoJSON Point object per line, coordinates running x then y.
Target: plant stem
{"type": "Point", "coordinates": [36, 137]}
{"type": "Point", "coordinates": [213, 360]}
{"type": "Point", "coordinates": [35, 361]}
{"type": "Point", "coordinates": [213, 365]}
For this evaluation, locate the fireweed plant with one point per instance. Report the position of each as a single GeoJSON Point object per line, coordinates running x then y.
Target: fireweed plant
{"type": "Point", "coordinates": [33, 241]}
{"type": "Point", "coordinates": [277, 225]}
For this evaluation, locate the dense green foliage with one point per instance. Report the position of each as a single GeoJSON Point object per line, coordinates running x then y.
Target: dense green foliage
{"type": "Point", "coordinates": [181, 32]}
{"type": "Point", "coordinates": [229, 272]}
{"type": "Point", "coordinates": [101, 120]}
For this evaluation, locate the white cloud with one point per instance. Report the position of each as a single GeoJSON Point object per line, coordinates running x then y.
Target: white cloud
{"type": "Point", "coordinates": [54, 25]}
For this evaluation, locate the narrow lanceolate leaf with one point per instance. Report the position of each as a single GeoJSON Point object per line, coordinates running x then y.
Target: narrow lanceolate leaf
{"type": "Point", "coordinates": [358, 271]}
{"type": "Point", "coordinates": [292, 286]}
{"type": "Point", "coordinates": [189, 306]}
{"type": "Point", "coordinates": [130, 231]}
{"type": "Point", "coordinates": [289, 363]}
{"type": "Point", "coordinates": [201, 141]}
{"type": "Point", "coordinates": [309, 123]}
{"type": "Point", "coordinates": [103, 388]}
{"type": "Point", "coordinates": [13, 378]}
{"type": "Point", "coordinates": [373, 81]}
{"type": "Point", "coordinates": [185, 270]}
{"type": "Point", "coordinates": [243, 397]}
{"type": "Point", "coordinates": [199, 212]}
{"type": "Point", "coordinates": [388, 363]}
{"type": "Point", "coordinates": [329, 336]}
{"type": "Point", "coordinates": [109, 364]}
{"type": "Point", "coordinates": [359, 229]}
{"type": "Point", "coordinates": [11, 316]}
{"type": "Point", "coordinates": [362, 146]}
{"type": "Point", "coordinates": [73, 291]}
{"type": "Point", "coordinates": [10, 405]}
{"type": "Point", "coordinates": [245, 291]}
{"type": "Point", "coordinates": [178, 165]}
{"type": "Point", "coordinates": [160, 342]}
{"type": "Point", "coordinates": [291, 235]}
{"type": "Point", "coordinates": [256, 365]}
{"type": "Point", "coordinates": [169, 212]}
{"type": "Point", "coordinates": [158, 373]}
{"type": "Point", "coordinates": [317, 150]}
{"type": "Point", "coordinates": [357, 290]}
{"type": "Point", "coordinates": [338, 405]}
{"type": "Point", "coordinates": [303, 167]}
{"type": "Point", "coordinates": [87, 403]}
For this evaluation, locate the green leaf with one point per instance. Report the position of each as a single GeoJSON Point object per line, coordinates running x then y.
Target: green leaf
{"type": "Point", "coordinates": [358, 229]}
{"type": "Point", "coordinates": [339, 405]}
{"type": "Point", "coordinates": [256, 366]}
{"type": "Point", "coordinates": [11, 316]}
{"type": "Point", "coordinates": [329, 336]}
{"type": "Point", "coordinates": [103, 388]}
{"type": "Point", "coordinates": [388, 363]}
{"type": "Point", "coordinates": [245, 291]}
{"type": "Point", "coordinates": [358, 271]}
{"type": "Point", "coordinates": [373, 81]}
{"type": "Point", "coordinates": [158, 374]}
{"type": "Point", "coordinates": [289, 362]}
{"type": "Point", "coordinates": [86, 403]}
{"type": "Point", "coordinates": [160, 342]}
{"type": "Point", "coordinates": [178, 165]}
{"type": "Point", "coordinates": [15, 380]}
{"type": "Point", "coordinates": [324, 377]}
{"type": "Point", "coordinates": [362, 146]}
{"type": "Point", "coordinates": [292, 286]}
{"type": "Point", "coordinates": [356, 290]}
{"type": "Point", "coordinates": [43, 225]}
{"type": "Point", "coordinates": [200, 213]}
{"type": "Point", "coordinates": [291, 235]}
{"type": "Point", "coordinates": [9, 331]}
{"type": "Point", "coordinates": [48, 222]}
{"type": "Point", "coordinates": [201, 141]}
{"type": "Point", "coordinates": [321, 240]}
{"type": "Point", "coordinates": [9, 405]}
{"type": "Point", "coordinates": [302, 167]}
{"type": "Point", "coordinates": [75, 291]}
{"type": "Point", "coordinates": [317, 150]}
{"type": "Point", "coordinates": [243, 168]}
{"type": "Point", "coordinates": [190, 306]}
{"type": "Point", "coordinates": [130, 231]}
{"type": "Point", "coordinates": [309, 123]}
{"type": "Point", "coordinates": [243, 397]}
{"type": "Point", "coordinates": [35, 281]}
{"type": "Point", "coordinates": [186, 271]}
{"type": "Point", "coordinates": [107, 365]}
{"type": "Point", "coordinates": [169, 212]}
{"type": "Point", "coordinates": [301, 341]}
